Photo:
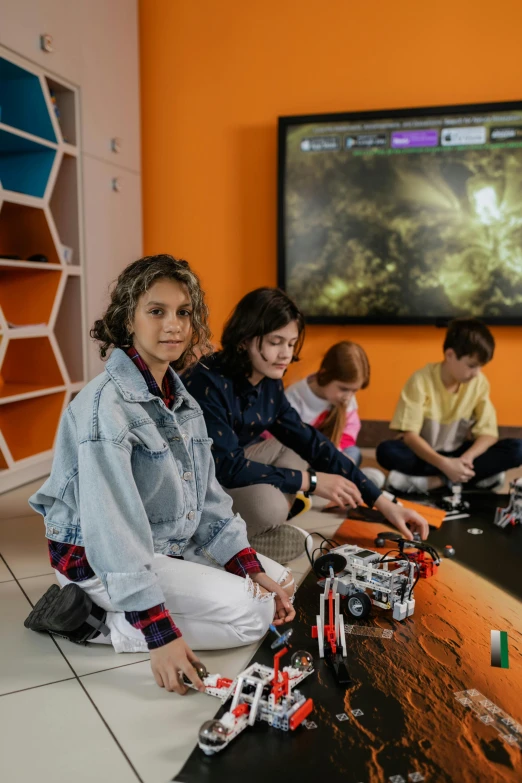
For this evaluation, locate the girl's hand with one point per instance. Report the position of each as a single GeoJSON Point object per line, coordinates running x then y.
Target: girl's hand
{"type": "Point", "coordinates": [338, 489]}
{"type": "Point", "coordinates": [284, 611]}
{"type": "Point", "coordinates": [399, 516]}
{"type": "Point", "coordinates": [166, 663]}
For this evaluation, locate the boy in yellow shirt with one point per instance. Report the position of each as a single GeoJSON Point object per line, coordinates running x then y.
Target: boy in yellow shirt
{"type": "Point", "coordinates": [447, 423]}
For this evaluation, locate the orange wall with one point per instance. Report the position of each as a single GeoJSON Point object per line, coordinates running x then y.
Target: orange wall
{"type": "Point", "coordinates": [215, 75]}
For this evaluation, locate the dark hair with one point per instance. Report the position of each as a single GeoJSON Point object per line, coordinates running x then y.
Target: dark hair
{"type": "Point", "coordinates": [346, 362]}
{"type": "Point", "coordinates": [258, 313]}
{"type": "Point", "coordinates": [111, 330]}
{"type": "Point", "coordinates": [470, 337]}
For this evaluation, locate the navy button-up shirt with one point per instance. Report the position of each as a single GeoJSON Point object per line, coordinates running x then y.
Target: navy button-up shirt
{"type": "Point", "coordinates": [236, 413]}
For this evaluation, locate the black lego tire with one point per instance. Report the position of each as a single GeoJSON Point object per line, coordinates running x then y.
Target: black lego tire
{"type": "Point", "coordinates": [323, 563]}
{"type": "Point", "coordinates": [359, 605]}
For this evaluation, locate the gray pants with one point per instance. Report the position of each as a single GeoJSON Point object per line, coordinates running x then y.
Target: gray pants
{"type": "Point", "coordinates": [262, 506]}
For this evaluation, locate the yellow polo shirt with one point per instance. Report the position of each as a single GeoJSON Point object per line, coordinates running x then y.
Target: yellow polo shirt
{"type": "Point", "coordinates": [445, 419]}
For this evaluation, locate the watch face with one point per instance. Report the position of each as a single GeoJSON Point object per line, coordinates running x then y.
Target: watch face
{"type": "Point", "coordinates": [313, 480]}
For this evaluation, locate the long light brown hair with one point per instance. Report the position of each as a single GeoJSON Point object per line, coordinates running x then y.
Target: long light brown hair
{"type": "Point", "coordinates": [346, 362]}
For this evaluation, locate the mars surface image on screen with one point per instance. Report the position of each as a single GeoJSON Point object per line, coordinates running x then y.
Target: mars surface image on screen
{"type": "Point", "coordinates": [402, 216]}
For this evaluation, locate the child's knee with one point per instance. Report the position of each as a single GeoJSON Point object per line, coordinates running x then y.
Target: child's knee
{"type": "Point", "coordinates": [384, 454]}
{"type": "Point", "coordinates": [255, 620]}
{"type": "Point", "coordinates": [255, 623]}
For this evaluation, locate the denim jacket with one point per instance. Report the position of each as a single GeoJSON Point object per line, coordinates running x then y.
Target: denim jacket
{"type": "Point", "coordinates": [130, 478]}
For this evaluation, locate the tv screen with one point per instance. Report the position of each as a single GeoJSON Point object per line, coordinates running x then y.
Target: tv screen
{"type": "Point", "coordinates": [404, 216]}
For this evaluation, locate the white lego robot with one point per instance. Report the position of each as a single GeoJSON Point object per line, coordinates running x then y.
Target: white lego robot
{"type": "Point", "coordinates": [512, 513]}
{"type": "Point", "coordinates": [258, 693]}
{"type": "Point", "coordinates": [366, 577]}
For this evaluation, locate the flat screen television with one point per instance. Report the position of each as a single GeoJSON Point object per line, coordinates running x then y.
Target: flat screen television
{"type": "Point", "coordinates": [403, 216]}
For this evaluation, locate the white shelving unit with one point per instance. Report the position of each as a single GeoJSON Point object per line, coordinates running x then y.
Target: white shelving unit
{"type": "Point", "coordinates": [42, 323]}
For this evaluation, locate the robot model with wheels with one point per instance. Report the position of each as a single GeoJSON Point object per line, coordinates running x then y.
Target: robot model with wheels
{"type": "Point", "coordinates": [260, 692]}
{"type": "Point", "coordinates": [512, 514]}
{"type": "Point", "coordinates": [366, 577]}
{"type": "Point", "coordinates": [417, 551]}
{"type": "Point", "coordinates": [331, 635]}
{"type": "Point", "coordinates": [454, 505]}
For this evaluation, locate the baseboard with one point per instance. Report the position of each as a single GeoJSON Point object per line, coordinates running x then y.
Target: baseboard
{"type": "Point", "coordinates": [373, 431]}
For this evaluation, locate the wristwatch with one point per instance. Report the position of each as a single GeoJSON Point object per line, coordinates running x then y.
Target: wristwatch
{"type": "Point", "coordinates": [313, 482]}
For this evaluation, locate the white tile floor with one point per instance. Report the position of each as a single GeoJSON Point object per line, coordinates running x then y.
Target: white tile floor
{"type": "Point", "coordinates": [103, 710]}
{"type": "Point", "coordinates": [72, 713]}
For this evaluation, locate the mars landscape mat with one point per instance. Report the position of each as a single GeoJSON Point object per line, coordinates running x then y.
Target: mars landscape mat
{"type": "Point", "coordinates": [425, 704]}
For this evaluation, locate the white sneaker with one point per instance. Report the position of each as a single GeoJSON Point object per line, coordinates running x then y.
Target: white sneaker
{"type": "Point", "coordinates": [492, 482]}
{"type": "Point", "coordinates": [375, 475]}
{"type": "Point", "coordinates": [403, 483]}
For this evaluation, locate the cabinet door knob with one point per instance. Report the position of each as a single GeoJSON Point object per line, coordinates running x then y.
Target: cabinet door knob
{"type": "Point", "coordinates": [116, 143]}
{"type": "Point", "coordinates": [116, 184]}
{"type": "Point", "coordinates": [46, 43]}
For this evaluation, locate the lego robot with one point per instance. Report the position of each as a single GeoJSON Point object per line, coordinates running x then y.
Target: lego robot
{"type": "Point", "coordinates": [454, 506]}
{"type": "Point", "coordinates": [424, 555]}
{"type": "Point", "coordinates": [366, 577]}
{"type": "Point", "coordinates": [331, 635]}
{"type": "Point", "coordinates": [263, 693]}
{"type": "Point", "coordinates": [512, 514]}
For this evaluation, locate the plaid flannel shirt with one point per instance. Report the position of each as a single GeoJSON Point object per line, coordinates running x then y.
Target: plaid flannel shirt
{"type": "Point", "coordinates": [71, 561]}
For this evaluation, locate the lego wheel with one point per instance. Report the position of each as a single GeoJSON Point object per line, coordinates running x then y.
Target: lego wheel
{"type": "Point", "coordinates": [303, 661]}
{"type": "Point", "coordinates": [359, 605]}
{"type": "Point", "coordinates": [212, 736]}
{"type": "Point", "coordinates": [201, 671]}
{"type": "Point", "coordinates": [323, 564]}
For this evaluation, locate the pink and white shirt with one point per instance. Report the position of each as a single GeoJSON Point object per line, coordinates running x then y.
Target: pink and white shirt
{"type": "Point", "coordinates": [314, 410]}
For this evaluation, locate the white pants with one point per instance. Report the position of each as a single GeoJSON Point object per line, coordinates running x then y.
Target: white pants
{"type": "Point", "coordinates": [213, 609]}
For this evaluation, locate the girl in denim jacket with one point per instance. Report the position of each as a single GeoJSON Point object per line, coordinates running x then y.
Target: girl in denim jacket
{"type": "Point", "coordinates": [144, 541]}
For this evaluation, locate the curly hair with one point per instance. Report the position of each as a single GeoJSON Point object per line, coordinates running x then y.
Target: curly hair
{"type": "Point", "coordinates": [112, 329]}
{"type": "Point", "coordinates": [257, 314]}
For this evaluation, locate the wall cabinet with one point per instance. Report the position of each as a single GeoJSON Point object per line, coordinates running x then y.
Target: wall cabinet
{"type": "Point", "coordinates": [22, 22]}
{"type": "Point", "coordinates": [112, 240]}
{"type": "Point", "coordinates": [110, 83]}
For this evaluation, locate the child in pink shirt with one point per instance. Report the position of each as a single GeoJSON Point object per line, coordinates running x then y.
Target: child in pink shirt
{"type": "Point", "coordinates": [326, 400]}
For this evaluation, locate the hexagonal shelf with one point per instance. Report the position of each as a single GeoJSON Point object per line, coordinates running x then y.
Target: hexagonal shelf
{"type": "Point", "coordinates": [29, 426]}
{"type": "Point", "coordinates": [25, 165]}
{"type": "Point", "coordinates": [41, 328]}
{"type": "Point", "coordinates": [64, 103]}
{"type": "Point", "coordinates": [68, 329]}
{"type": "Point", "coordinates": [24, 232]}
{"type": "Point", "coordinates": [27, 295]}
{"type": "Point", "coordinates": [29, 366]}
{"type": "Point", "coordinates": [23, 103]}
{"type": "Point", "coordinates": [64, 206]}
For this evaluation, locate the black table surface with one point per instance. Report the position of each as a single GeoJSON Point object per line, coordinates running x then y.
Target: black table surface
{"type": "Point", "coordinates": [412, 727]}
{"type": "Point", "coordinates": [496, 553]}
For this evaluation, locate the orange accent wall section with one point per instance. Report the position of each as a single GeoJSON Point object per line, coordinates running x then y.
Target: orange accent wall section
{"type": "Point", "coordinates": [214, 79]}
